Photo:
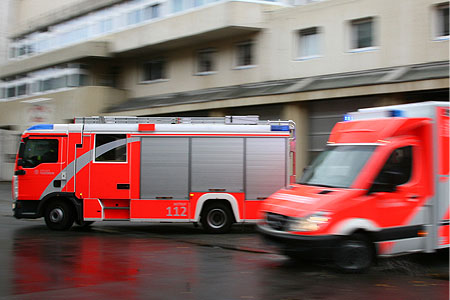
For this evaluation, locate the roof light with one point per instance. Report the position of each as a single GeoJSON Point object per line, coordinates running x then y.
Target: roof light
{"type": "Point", "coordinates": [41, 127]}
{"type": "Point", "coordinates": [347, 118]}
{"type": "Point", "coordinates": [397, 113]}
{"type": "Point", "coordinates": [279, 127]}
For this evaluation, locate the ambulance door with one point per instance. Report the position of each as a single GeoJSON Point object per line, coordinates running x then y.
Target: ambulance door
{"type": "Point", "coordinates": [399, 190]}
{"type": "Point", "coordinates": [109, 169]}
{"type": "Point", "coordinates": [39, 166]}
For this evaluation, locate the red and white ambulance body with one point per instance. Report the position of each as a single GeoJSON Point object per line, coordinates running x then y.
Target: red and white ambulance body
{"type": "Point", "coordinates": [380, 187]}
{"type": "Point", "coordinates": [210, 170]}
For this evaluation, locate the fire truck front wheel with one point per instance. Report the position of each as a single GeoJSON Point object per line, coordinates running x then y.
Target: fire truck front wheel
{"type": "Point", "coordinates": [216, 218]}
{"type": "Point", "coordinates": [59, 215]}
{"type": "Point", "coordinates": [354, 254]}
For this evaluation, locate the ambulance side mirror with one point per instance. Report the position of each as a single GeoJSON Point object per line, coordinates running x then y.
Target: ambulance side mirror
{"type": "Point", "coordinates": [386, 187]}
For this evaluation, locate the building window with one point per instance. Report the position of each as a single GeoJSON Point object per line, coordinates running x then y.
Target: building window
{"type": "Point", "coordinates": [153, 70]}
{"type": "Point", "coordinates": [244, 54]}
{"type": "Point", "coordinates": [442, 21]}
{"type": "Point", "coordinates": [362, 33]}
{"type": "Point", "coordinates": [205, 61]}
{"type": "Point", "coordinates": [152, 11]}
{"type": "Point", "coordinates": [309, 42]}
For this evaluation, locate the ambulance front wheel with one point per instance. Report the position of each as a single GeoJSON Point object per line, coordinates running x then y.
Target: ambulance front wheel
{"type": "Point", "coordinates": [217, 218]}
{"type": "Point", "coordinates": [354, 254]}
{"type": "Point", "coordinates": [59, 215]}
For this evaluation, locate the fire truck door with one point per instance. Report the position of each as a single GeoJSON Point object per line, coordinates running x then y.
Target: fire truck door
{"type": "Point", "coordinates": [109, 170]}
{"type": "Point", "coordinates": [40, 164]}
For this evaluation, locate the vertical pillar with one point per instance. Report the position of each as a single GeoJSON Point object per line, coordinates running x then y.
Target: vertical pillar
{"type": "Point", "coordinates": [298, 113]}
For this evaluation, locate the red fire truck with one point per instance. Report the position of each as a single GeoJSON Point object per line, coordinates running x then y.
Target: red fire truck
{"type": "Point", "coordinates": [215, 171]}
{"type": "Point", "coordinates": [381, 187]}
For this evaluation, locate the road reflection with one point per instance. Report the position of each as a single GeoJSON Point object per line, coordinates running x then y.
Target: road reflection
{"type": "Point", "coordinates": [77, 264]}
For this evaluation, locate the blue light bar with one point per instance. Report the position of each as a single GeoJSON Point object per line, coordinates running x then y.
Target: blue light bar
{"type": "Point", "coordinates": [279, 127]}
{"type": "Point", "coordinates": [41, 127]}
{"type": "Point", "coordinates": [397, 113]}
{"type": "Point", "coordinates": [348, 118]}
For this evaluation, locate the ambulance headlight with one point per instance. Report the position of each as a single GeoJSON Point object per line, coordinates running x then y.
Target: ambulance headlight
{"type": "Point", "coordinates": [310, 223]}
{"type": "Point", "coordinates": [15, 187]}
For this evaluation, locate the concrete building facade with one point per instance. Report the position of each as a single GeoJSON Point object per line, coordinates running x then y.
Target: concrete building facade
{"type": "Point", "coordinates": [309, 61]}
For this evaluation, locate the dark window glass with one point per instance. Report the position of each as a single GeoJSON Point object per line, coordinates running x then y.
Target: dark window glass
{"type": "Point", "coordinates": [21, 90]}
{"type": "Point", "coordinates": [11, 92]}
{"type": "Point", "coordinates": [40, 151]}
{"type": "Point", "coordinates": [153, 70]}
{"type": "Point", "coordinates": [205, 61]}
{"type": "Point", "coordinates": [398, 167]}
{"type": "Point", "coordinates": [363, 33]}
{"type": "Point", "coordinates": [443, 20]}
{"type": "Point", "coordinates": [244, 54]}
{"type": "Point", "coordinates": [111, 148]}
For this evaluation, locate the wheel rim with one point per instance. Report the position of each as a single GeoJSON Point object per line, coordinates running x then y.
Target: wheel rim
{"type": "Point", "coordinates": [354, 255]}
{"type": "Point", "coordinates": [216, 218]}
{"type": "Point", "coordinates": [56, 215]}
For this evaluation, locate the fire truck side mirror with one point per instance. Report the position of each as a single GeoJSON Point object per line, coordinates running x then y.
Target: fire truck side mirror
{"type": "Point", "coordinates": [20, 162]}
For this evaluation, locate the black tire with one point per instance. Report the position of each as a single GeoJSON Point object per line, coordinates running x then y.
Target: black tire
{"type": "Point", "coordinates": [217, 218]}
{"type": "Point", "coordinates": [355, 254]}
{"type": "Point", "coordinates": [59, 215]}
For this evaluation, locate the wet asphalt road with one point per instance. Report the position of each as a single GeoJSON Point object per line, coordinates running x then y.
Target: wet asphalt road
{"type": "Point", "coordinates": [120, 260]}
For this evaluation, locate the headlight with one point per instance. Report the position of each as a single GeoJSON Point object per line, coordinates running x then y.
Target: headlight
{"type": "Point", "coordinates": [311, 223]}
{"type": "Point", "coordinates": [15, 187]}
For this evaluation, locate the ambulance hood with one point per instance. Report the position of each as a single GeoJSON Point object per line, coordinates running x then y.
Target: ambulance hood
{"type": "Point", "coordinates": [302, 200]}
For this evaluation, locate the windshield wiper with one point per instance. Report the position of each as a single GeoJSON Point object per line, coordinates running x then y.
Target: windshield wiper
{"type": "Point", "coordinates": [322, 185]}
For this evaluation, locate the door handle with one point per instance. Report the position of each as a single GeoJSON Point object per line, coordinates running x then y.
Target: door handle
{"type": "Point", "coordinates": [413, 198]}
{"type": "Point", "coordinates": [20, 172]}
{"type": "Point", "coordinates": [123, 186]}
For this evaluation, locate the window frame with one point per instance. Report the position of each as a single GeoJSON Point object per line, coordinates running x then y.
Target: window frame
{"type": "Point", "coordinates": [25, 159]}
{"type": "Point", "coordinates": [163, 72]}
{"type": "Point", "coordinates": [354, 34]}
{"type": "Point", "coordinates": [237, 56]}
{"type": "Point", "coordinates": [439, 21]}
{"type": "Point", "coordinates": [95, 158]}
{"type": "Point", "coordinates": [300, 35]}
{"type": "Point", "coordinates": [212, 56]}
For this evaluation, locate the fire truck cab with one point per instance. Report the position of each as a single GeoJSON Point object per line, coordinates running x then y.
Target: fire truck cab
{"type": "Point", "coordinates": [215, 171]}
{"type": "Point", "coordinates": [381, 187]}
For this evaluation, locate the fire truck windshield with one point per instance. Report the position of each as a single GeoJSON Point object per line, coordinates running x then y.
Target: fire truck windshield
{"type": "Point", "coordinates": [337, 166]}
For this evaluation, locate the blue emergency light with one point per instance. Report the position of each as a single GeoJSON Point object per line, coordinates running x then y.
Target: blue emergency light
{"type": "Point", "coordinates": [41, 127]}
{"type": "Point", "coordinates": [279, 127]}
{"type": "Point", "coordinates": [347, 118]}
{"type": "Point", "coordinates": [397, 113]}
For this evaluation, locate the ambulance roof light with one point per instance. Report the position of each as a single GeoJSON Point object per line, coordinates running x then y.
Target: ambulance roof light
{"type": "Point", "coordinates": [348, 118]}
{"type": "Point", "coordinates": [397, 113]}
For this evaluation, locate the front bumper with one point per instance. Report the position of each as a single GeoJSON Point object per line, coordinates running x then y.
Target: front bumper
{"type": "Point", "coordinates": [26, 209]}
{"type": "Point", "coordinates": [309, 247]}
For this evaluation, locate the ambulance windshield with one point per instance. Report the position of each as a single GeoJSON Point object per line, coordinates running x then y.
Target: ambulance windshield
{"type": "Point", "coordinates": [337, 166]}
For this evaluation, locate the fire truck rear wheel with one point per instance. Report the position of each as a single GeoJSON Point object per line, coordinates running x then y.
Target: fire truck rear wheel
{"type": "Point", "coordinates": [217, 218]}
{"type": "Point", "coordinates": [354, 254]}
{"type": "Point", "coordinates": [59, 215]}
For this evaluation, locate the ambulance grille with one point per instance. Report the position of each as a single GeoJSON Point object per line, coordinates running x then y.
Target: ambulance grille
{"type": "Point", "coordinates": [277, 222]}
